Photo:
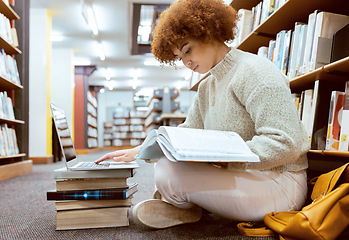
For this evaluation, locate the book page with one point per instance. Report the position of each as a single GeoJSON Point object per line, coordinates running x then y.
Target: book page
{"type": "Point", "coordinates": [196, 143]}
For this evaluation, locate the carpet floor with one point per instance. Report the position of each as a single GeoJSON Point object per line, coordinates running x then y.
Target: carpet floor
{"type": "Point", "coordinates": [26, 214]}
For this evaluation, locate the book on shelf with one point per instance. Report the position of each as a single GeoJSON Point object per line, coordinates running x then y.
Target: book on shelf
{"type": "Point", "coordinates": [195, 145]}
{"type": "Point", "coordinates": [90, 183]}
{"type": "Point", "coordinates": [326, 25]}
{"type": "Point", "coordinates": [296, 43]}
{"type": "Point", "coordinates": [334, 118]}
{"type": "Point", "coordinates": [344, 141]}
{"type": "Point", "coordinates": [8, 141]}
{"type": "Point", "coordinates": [88, 204]}
{"type": "Point", "coordinates": [5, 29]}
{"type": "Point", "coordinates": [271, 48]}
{"type": "Point", "coordinates": [256, 14]}
{"type": "Point", "coordinates": [296, 98]}
{"type": "Point", "coordinates": [286, 52]}
{"type": "Point", "coordinates": [318, 118]}
{"type": "Point", "coordinates": [92, 218]}
{"type": "Point", "coordinates": [8, 68]}
{"type": "Point", "coordinates": [306, 111]}
{"type": "Point", "coordinates": [308, 43]}
{"type": "Point", "coordinates": [93, 194]}
{"type": "Point", "coordinates": [300, 107]}
{"type": "Point", "coordinates": [301, 50]}
{"type": "Point", "coordinates": [340, 46]}
{"type": "Point", "coordinates": [243, 25]}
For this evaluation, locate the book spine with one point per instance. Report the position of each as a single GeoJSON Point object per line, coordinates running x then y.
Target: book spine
{"type": "Point", "coordinates": [344, 143]}
{"type": "Point", "coordinates": [87, 195]}
{"type": "Point", "coordinates": [333, 129]}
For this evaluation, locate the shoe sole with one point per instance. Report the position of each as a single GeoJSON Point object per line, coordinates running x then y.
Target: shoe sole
{"type": "Point", "coordinates": [158, 214]}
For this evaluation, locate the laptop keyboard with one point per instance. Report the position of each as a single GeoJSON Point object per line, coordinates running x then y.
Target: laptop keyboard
{"type": "Point", "coordinates": [93, 165]}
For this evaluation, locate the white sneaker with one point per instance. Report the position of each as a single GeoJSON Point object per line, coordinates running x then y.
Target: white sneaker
{"type": "Point", "coordinates": [155, 213]}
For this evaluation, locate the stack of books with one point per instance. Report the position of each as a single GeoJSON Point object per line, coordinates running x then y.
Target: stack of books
{"type": "Point", "coordinates": [92, 199]}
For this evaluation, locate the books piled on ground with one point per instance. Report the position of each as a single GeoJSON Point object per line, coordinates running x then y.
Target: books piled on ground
{"type": "Point", "coordinates": [92, 199]}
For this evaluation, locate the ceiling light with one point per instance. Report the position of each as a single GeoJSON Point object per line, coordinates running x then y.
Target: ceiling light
{"type": "Point", "coordinates": [102, 90]}
{"type": "Point", "coordinates": [110, 85]}
{"type": "Point", "coordinates": [56, 38]}
{"type": "Point", "coordinates": [89, 16]}
{"type": "Point", "coordinates": [101, 51]}
{"type": "Point", "coordinates": [107, 74]}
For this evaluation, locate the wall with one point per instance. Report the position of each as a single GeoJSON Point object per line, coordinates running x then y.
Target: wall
{"type": "Point", "coordinates": [51, 78]}
{"type": "Point", "coordinates": [63, 82]}
{"type": "Point", "coordinates": [39, 78]}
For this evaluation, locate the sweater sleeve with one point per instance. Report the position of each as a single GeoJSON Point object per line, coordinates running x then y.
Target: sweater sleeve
{"type": "Point", "coordinates": [280, 136]}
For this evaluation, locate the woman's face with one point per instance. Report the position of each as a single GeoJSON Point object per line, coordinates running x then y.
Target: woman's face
{"type": "Point", "coordinates": [197, 56]}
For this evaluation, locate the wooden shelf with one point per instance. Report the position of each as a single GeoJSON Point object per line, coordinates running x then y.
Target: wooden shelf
{"type": "Point", "coordinates": [8, 85]}
{"type": "Point", "coordinates": [13, 156]}
{"type": "Point", "coordinates": [284, 18]}
{"type": "Point", "coordinates": [9, 48]}
{"type": "Point", "coordinates": [15, 169]}
{"type": "Point", "coordinates": [238, 4]}
{"type": "Point", "coordinates": [11, 121]}
{"type": "Point", "coordinates": [14, 165]}
{"type": "Point", "coordinates": [8, 11]}
{"type": "Point", "coordinates": [336, 71]}
{"type": "Point", "coordinates": [330, 153]}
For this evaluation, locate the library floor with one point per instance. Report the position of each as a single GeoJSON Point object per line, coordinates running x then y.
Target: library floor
{"type": "Point", "coordinates": [25, 213]}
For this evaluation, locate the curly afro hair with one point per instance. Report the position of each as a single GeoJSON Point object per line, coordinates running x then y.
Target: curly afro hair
{"type": "Point", "coordinates": [203, 20]}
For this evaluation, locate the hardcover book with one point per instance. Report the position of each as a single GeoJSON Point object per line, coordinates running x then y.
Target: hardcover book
{"type": "Point", "coordinates": [63, 173]}
{"type": "Point", "coordinates": [89, 204]}
{"type": "Point", "coordinates": [196, 145]}
{"type": "Point", "coordinates": [343, 144]}
{"type": "Point", "coordinates": [92, 218]}
{"type": "Point", "coordinates": [90, 183]}
{"type": "Point", "coordinates": [334, 118]}
{"type": "Point", "coordinates": [97, 194]}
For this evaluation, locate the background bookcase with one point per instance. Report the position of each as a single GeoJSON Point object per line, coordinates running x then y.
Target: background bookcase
{"type": "Point", "coordinates": [92, 133]}
{"type": "Point", "coordinates": [161, 102]}
{"type": "Point", "coordinates": [126, 129]}
{"type": "Point", "coordinates": [15, 165]}
{"type": "Point", "coordinates": [284, 18]}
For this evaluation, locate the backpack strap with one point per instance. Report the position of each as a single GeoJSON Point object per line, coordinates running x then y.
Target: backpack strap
{"type": "Point", "coordinates": [254, 229]}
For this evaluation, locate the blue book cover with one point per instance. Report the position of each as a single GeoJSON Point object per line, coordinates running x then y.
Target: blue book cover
{"type": "Point", "coordinates": [97, 194]}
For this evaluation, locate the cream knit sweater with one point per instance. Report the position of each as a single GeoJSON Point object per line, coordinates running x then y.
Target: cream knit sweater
{"type": "Point", "coordinates": [247, 94]}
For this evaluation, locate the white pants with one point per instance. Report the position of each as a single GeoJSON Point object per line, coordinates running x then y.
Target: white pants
{"type": "Point", "coordinates": [237, 195]}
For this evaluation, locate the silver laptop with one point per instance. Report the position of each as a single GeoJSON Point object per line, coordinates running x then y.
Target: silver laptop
{"type": "Point", "coordinates": [68, 149]}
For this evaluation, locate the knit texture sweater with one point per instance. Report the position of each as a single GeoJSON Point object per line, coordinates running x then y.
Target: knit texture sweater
{"type": "Point", "coordinates": [247, 94]}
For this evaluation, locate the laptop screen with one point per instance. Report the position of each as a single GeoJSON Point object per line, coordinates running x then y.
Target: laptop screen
{"type": "Point", "coordinates": [63, 133]}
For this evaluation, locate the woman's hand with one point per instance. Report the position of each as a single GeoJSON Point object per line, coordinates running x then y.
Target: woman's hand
{"type": "Point", "coordinates": [127, 155]}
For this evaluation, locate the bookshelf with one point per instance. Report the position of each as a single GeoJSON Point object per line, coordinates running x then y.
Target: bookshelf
{"type": "Point", "coordinates": [161, 102]}
{"type": "Point", "coordinates": [284, 18]}
{"type": "Point", "coordinates": [92, 133]}
{"type": "Point", "coordinates": [12, 165]}
{"type": "Point", "coordinates": [126, 129]}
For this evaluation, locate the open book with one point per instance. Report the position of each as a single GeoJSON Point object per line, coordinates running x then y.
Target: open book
{"type": "Point", "coordinates": [196, 145]}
